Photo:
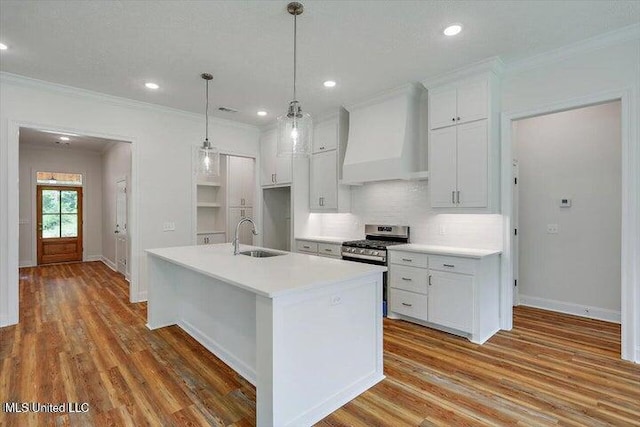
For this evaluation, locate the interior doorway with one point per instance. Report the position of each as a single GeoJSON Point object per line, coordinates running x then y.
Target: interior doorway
{"type": "Point", "coordinates": [121, 231]}
{"type": "Point", "coordinates": [59, 224]}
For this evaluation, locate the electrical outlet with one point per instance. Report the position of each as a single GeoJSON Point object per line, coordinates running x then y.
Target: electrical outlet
{"type": "Point", "coordinates": [169, 226]}
{"type": "Point", "coordinates": [335, 300]}
{"type": "Point", "coordinates": [442, 230]}
{"type": "Point", "coordinates": [552, 229]}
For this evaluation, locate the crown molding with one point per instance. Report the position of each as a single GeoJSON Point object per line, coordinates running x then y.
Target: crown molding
{"type": "Point", "coordinates": [631, 32]}
{"type": "Point", "coordinates": [19, 80]}
{"type": "Point", "coordinates": [490, 65]}
{"type": "Point", "coordinates": [412, 90]}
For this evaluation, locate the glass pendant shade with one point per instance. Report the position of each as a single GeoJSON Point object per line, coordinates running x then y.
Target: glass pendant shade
{"type": "Point", "coordinates": [207, 162]}
{"type": "Point", "coordinates": [294, 133]}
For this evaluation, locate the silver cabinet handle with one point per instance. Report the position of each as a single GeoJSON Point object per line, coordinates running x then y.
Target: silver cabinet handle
{"type": "Point", "coordinates": [448, 265]}
{"type": "Point", "coordinates": [242, 202]}
{"type": "Point", "coordinates": [407, 259]}
{"type": "Point", "coordinates": [273, 177]}
{"type": "Point", "coordinates": [322, 148]}
{"type": "Point", "coordinates": [328, 250]}
{"type": "Point", "coordinates": [453, 197]}
{"type": "Point", "coordinates": [306, 247]}
{"type": "Point", "coordinates": [407, 279]}
{"type": "Point", "coordinates": [407, 304]}
{"type": "Point", "coordinates": [458, 197]}
{"type": "Point", "coordinates": [429, 280]}
{"type": "Point", "coordinates": [453, 119]}
{"type": "Point", "coordinates": [458, 118]}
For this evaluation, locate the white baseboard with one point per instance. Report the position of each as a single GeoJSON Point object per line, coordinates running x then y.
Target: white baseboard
{"type": "Point", "coordinates": [571, 308]}
{"type": "Point", "coordinates": [142, 296]}
{"type": "Point", "coordinates": [214, 347]}
{"type": "Point", "coordinates": [27, 263]}
{"type": "Point", "coordinates": [106, 261]}
{"type": "Point", "coordinates": [91, 258]}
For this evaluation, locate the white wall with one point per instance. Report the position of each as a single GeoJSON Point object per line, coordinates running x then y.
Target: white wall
{"type": "Point", "coordinates": [574, 154]}
{"type": "Point", "coordinates": [116, 164]}
{"type": "Point", "coordinates": [407, 203]}
{"type": "Point", "coordinates": [162, 178]}
{"type": "Point", "coordinates": [89, 164]}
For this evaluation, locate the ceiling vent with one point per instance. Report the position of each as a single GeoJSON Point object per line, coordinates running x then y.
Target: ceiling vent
{"type": "Point", "coordinates": [227, 109]}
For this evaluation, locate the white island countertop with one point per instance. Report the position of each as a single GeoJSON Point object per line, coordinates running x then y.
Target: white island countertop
{"type": "Point", "coordinates": [269, 277]}
{"type": "Point", "coordinates": [445, 250]}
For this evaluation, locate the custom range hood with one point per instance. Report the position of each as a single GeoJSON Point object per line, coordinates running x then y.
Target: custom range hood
{"type": "Point", "coordinates": [385, 137]}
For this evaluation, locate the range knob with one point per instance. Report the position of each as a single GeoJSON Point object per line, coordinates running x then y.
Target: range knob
{"type": "Point", "coordinates": [361, 251]}
{"type": "Point", "coordinates": [375, 253]}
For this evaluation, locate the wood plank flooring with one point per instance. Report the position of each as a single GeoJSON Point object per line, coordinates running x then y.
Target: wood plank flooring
{"type": "Point", "coordinates": [80, 340]}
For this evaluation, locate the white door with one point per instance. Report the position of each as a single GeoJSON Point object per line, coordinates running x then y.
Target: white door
{"type": "Point", "coordinates": [442, 108]}
{"type": "Point", "coordinates": [325, 136]}
{"type": "Point", "coordinates": [268, 147]}
{"type": "Point", "coordinates": [515, 250]}
{"type": "Point", "coordinates": [472, 165]}
{"type": "Point", "coordinates": [442, 169]}
{"type": "Point", "coordinates": [121, 232]}
{"type": "Point", "coordinates": [450, 300]}
{"type": "Point", "coordinates": [472, 102]}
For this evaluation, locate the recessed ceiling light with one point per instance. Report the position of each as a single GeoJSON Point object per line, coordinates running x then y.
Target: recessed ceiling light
{"type": "Point", "coordinates": [64, 138]}
{"type": "Point", "coordinates": [262, 113]}
{"type": "Point", "coordinates": [329, 83]}
{"type": "Point", "coordinates": [3, 46]}
{"type": "Point", "coordinates": [452, 30]}
{"type": "Point", "coordinates": [151, 85]}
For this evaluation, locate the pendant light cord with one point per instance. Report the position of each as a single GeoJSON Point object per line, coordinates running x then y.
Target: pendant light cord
{"type": "Point", "coordinates": [295, 49]}
{"type": "Point", "coordinates": [206, 114]}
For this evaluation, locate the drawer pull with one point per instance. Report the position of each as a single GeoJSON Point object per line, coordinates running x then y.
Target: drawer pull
{"type": "Point", "coordinates": [407, 259]}
{"type": "Point", "coordinates": [407, 278]}
{"type": "Point", "coordinates": [328, 250]}
{"type": "Point", "coordinates": [407, 304]}
{"type": "Point", "coordinates": [322, 148]}
{"type": "Point", "coordinates": [429, 280]}
{"type": "Point", "coordinates": [306, 247]}
{"type": "Point", "coordinates": [448, 265]}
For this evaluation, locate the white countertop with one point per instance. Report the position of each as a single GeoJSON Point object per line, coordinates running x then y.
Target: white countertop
{"type": "Point", "coordinates": [445, 250]}
{"type": "Point", "coordinates": [270, 277]}
{"type": "Point", "coordinates": [325, 239]}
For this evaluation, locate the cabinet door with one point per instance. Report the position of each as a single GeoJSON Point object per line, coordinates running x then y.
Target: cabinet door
{"type": "Point", "coordinates": [450, 301]}
{"type": "Point", "coordinates": [442, 108]}
{"type": "Point", "coordinates": [245, 234]}
{"type": "Point", "coordinates": [325, 136]}
{"type": "Point", "coordinates": [324, 181]}
{"type": "Point", "coordinates": [283, 169]}
{"type": "Point", "coordinates": [268, 147]}
{"type": "Point", "coordinates": [235, 181]}
{"type": "Point", "coordinates": [473, 165]}
{"type": "Point", "coordinates": [472, 101]}
{"type": "Point", "coordinates": [442, 167]}
{"type": "Point", "coordinates": [248, 181]}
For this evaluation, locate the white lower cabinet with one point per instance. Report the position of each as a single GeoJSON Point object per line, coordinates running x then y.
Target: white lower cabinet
{"type": "Point", "coordinates": [210, 238]}
{"type": "Point", "coordinates": [311, 247]}
{"type": "Point", "coordinates": [459, 295]}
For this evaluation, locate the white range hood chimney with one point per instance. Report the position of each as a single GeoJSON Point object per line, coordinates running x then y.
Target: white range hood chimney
{"type": "Point", "coordinates": [384, 137]}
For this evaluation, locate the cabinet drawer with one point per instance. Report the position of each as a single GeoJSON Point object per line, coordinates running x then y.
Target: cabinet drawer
{"type": "Point", "coordinates": [328, 249]}
{"type": "Point", "coordinates": [452, 264]}
{"type": "Point", "coordinates": [409, 278]}
{"type": "Point", "coordinates": [306, 246]}
{"type": "Point", "coordinates": [412, 259]}
{"type": "Point", "coordinates": [408, 303]}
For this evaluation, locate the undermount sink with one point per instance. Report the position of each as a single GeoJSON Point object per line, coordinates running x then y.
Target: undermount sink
{"type": "Point", "coordinates": [260, 254]}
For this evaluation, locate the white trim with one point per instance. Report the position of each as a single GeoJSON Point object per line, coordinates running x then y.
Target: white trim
{"type": "Point", "coordinates": [29, 82]}
{"type": "Point", "coordinates": [142, 296]}
{"type": "Point", "coordinates": [493, 64]}
{"type": "Point", "coordinates": [612, 38]}
{"type": "Point", "coordinates": [27, 263]}
{"type": "Point", "coordinates": [571, 308]}
{"type": "Point", "coordinates": [106, 261]}
{"type": "Point", "coordinates": [92, 258]}
{"type": "Point", "coordinates": [411, 90]}
{"type": "Point", "coordinates": [630, 233]}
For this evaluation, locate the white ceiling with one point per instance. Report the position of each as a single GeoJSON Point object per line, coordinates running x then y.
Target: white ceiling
{"type": "Point", "coordinates": [366, 46]}
{"type": "Point", "coordinates": [36, 138]}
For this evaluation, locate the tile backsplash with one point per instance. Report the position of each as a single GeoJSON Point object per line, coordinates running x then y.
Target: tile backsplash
{"type": "Point", "coordinates": [407, 203]}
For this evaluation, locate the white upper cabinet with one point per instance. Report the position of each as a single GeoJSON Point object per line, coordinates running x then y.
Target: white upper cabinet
{"type": "Point", "coordinates": [451, 105]}
{"type": "Point", "coordinates": [326, 194]}
{"type": "Point", "coordinates": [240, 181]}
{"type": "Point", "coordinates": [325, 136]}
{"type": "Point", "coordinates": [463, 139]}
{"type": "Point", "coordinates": [274, 170]}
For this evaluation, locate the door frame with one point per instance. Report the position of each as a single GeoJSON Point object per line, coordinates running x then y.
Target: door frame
{"type": "Point", "coordinates": [80, 214]}
{"type": "Point", "coordinates": [630, 229]}
{"type": "Point", "coordinates": [12, 217]}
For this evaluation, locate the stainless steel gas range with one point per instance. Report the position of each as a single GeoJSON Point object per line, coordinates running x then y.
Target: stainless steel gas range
{"type": "Point", "coordinates": [373, 249]}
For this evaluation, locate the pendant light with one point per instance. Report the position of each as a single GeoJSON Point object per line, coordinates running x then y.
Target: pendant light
{"type": "Point", "coordinates": [208, 161]}
{"type": "Point", "coordinates": [294, 127]}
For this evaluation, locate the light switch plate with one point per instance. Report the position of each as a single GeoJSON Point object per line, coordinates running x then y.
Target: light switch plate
{"type": "Point", "coordinates": [552, 228]}
{"type": "Point", "coordinates": [169, 226]}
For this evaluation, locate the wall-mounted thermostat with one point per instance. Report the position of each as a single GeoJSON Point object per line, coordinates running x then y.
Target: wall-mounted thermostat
{"type": "Point", "coordinates": [565, 203]}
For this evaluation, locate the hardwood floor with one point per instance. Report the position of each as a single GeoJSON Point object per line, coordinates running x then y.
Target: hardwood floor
{"type": "Point", "coordinates": [80, 340]}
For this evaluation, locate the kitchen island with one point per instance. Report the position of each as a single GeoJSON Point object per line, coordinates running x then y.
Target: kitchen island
{"type": "Point", "coordinates": [305, 330]}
